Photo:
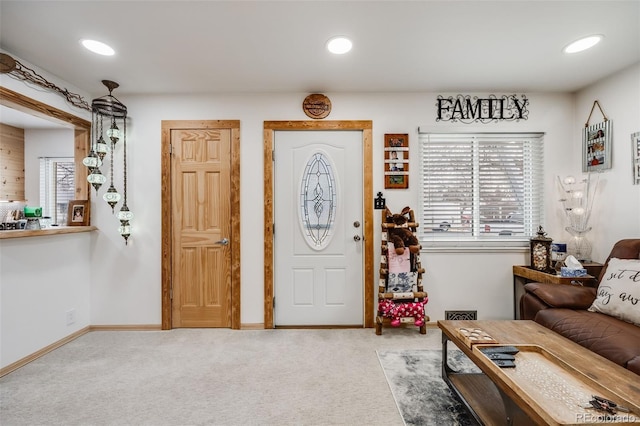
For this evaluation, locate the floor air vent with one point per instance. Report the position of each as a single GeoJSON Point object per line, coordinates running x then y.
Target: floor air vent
{"type": "Point", "coordinates": [461, 315]}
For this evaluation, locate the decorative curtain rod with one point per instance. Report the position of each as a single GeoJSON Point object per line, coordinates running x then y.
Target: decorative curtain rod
{"type": "Point", "coordinates": [15, 69]}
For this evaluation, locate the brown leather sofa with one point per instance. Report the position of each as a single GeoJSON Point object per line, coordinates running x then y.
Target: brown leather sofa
{"type": "Point", "coordinates": [563, 309]}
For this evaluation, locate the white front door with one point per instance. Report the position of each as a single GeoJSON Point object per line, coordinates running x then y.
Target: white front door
{"type": "Point", "coordinates": [318, 215]}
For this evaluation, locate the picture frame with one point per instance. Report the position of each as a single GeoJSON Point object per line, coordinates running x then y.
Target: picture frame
{"type": "Point", "coordinates": [396, 161]}
{"type": "Point", "coordinates": [78, 213]}
{"type": "Point", "coordinates": [596, 147]}
{"type": "Point", "coordinates": [635, 157]}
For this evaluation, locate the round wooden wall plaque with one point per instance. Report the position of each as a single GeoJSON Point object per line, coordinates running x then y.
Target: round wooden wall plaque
{"type": "Point", "coordinates": [316, 106]}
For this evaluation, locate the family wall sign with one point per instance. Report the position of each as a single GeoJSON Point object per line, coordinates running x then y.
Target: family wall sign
{"type": "Point", "coordinates": [467, 109]}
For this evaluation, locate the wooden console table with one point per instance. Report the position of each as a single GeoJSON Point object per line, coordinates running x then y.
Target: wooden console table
{"type": "Point", "coordinates": [526, 274]}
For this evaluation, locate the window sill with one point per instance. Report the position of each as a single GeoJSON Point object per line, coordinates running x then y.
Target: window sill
{"type": "Point", "coordinates": [56, 230]}
{"type": "Point", "coordinates": [474, 248]}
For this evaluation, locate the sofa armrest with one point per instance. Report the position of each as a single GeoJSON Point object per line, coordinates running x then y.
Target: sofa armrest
{"type": "Point", "coordinates": [562, 295]}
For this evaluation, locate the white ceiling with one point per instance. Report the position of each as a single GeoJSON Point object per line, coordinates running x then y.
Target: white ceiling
{"type": "Point", "coordinates": [279, 46]}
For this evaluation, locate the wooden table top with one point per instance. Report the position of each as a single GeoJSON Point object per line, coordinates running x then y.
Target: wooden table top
{"type": "Point", "coordinates": [553, 355]}
{"type": "Point", "coordinates": [544, 277]}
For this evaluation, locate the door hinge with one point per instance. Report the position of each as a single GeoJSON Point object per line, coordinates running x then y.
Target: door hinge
{"type": "Point", "coordinates": [170, 148]}
{"type": "Point", "coordinates": [171, 293]}
{"type": "Point", "coordinates": [273, 155]}
{"type": "Point", "coordinates": [274, 302]}
{"type": "Point", "coordinates": [273, 229]}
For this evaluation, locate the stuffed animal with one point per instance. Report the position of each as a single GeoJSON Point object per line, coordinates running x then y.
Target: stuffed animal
{"type": "Point", "coordinates": [397, 310]}
{"type": "Point", "coordinates": [400, 235]}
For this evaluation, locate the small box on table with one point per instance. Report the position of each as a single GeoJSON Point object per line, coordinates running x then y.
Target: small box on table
{"type": "Point", "coordinates": [570, 272]}
{"type": "Point", "coordinates": [472, 336]}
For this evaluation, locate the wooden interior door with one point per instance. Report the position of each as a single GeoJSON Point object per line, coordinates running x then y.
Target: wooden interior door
{"type": "Point", "coordinates": [201, 227]}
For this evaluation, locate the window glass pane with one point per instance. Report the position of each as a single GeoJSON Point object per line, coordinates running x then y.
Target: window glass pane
{"type": "Point", "coordinates": [448, 187]}
{"type": "Point", "coordinates": [501, 183]}
{"type": "Point", "coordinates": [57, 186]}
{"type": "Point", "coordinates": [318, 201]}
{"type": "Point", "coordinates": [481, 187]}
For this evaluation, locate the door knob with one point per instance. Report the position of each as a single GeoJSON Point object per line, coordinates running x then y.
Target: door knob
{"type": "Point", "coordinates": [223, 242]}
{"type": "Point", "coordinates": [356, 224]}
{"type": "Point", "coordinates": [356, 238]}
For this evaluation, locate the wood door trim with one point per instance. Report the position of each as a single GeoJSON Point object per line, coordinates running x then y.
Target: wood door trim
{"type": "Point", "coordinates": [367, 155]}
{"type": "Point", "coordinates": [166, 211]}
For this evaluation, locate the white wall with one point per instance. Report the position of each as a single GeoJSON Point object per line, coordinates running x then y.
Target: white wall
{"type": "Point", "coordinates": [41, 278]}
{"type": "Point", "coordinates": [616, 211]}
{"type": "Point", "coordinates": [124, 281]}
{"type": "Point", "coordinates": [130, 294]}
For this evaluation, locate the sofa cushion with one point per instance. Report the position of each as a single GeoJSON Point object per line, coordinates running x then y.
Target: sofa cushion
{"type": "Point", "coordinates": [619, 291]}
{"type": "Point", "coordinates": [607, 336]}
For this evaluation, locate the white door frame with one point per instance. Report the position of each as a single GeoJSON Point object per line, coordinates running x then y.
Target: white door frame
{"type": "Point", "coordinates": [365, 127]}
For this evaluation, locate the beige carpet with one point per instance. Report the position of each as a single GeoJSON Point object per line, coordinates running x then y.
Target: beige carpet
{"type": "Point", "coordinates": [211, 377]}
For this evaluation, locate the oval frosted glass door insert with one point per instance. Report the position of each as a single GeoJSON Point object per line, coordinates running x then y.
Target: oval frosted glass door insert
{"type": "Point", "coordinates": [318, 201]}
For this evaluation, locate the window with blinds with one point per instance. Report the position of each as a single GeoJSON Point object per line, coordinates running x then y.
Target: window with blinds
{"type": "Point", "coordinates": [57, 186]}
{"type": "Point", "coordinates": [483, 187]}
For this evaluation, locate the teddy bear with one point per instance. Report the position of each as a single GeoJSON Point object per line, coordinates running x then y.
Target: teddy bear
{"type": "Point", "coordinates": [400, 235]}
{"type": "Point", "coordinates": [397, 310]}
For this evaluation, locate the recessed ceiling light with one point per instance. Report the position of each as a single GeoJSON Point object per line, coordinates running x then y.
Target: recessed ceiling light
{"type": "Point", "coordinates": [98, 47]}
{"type": "Point", "coordinates": [583, 44]}
{"type": "Point", "coordinates": [339, 45]}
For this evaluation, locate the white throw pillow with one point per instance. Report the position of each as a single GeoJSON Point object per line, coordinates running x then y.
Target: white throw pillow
{"type": "Point", "coordinates": [619, 291]}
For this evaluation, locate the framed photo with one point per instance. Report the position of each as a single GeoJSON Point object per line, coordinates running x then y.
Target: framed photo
{"type": "Point", "coordinates": [596, 147]}
{"type": "Point", "coordinates": [635, 157]}
{"type": "Point", "coordinates": [78, 213]}
{"type": "Point", "coordinates": [396, 161]}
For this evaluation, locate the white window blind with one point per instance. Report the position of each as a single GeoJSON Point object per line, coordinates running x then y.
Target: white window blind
{"type": "Point", "coordinates": [57, 187]}
{"type": "Point", "coordinates": [479, 188]}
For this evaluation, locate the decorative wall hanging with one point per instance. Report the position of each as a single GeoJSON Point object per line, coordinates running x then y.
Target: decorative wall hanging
{"type": "Point", "coordinates": [316, 106]}
{"type": "Point", "coordinates": [467, 109]}
{"type": "Point", "coordinates": [596, 143]}
{"type": "Point", "coordinates": [15, 69]}
{"type": "Point", "coordinates": [635, 157]}
{"type": "Point", "coordinates": [396, 161]}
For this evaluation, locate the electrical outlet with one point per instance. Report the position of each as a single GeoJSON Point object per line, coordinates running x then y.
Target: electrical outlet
{"type": "Point", "coordinates": [71, 316]}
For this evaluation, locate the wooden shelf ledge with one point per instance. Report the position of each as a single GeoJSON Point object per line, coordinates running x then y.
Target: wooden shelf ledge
{"type": "Point", "coordinates": [56, 230]}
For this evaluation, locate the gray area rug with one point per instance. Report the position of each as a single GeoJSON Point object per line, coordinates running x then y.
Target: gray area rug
{"type": "Point", "coordinates": [421, 395]}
